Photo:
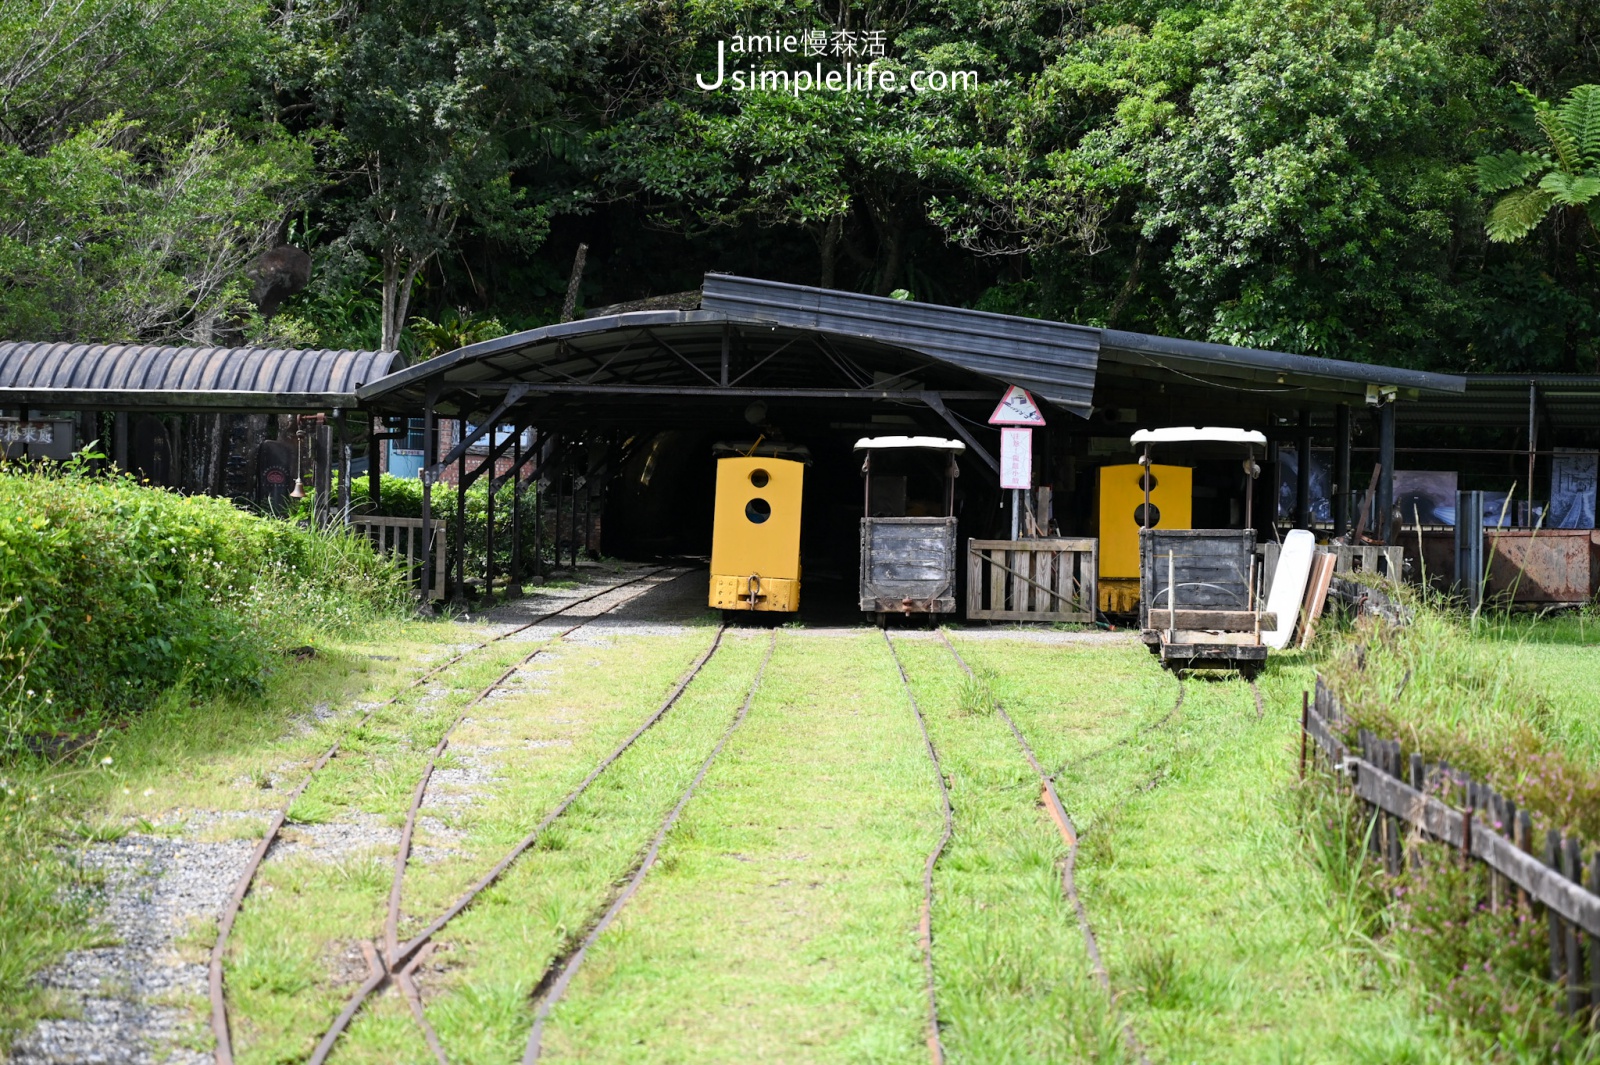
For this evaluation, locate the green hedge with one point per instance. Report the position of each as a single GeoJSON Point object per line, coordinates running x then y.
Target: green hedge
{"type": "Point", "coordinates": [112, 593]}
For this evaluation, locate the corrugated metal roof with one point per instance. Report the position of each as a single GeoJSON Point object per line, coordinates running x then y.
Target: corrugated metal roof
{"type": "Point", "coordinates": [678, 354]}
{"type": "Point", "coordinates": [816, 330]}
{"type": "Point", "coordinates": [1561, 401]}
{"type": "Point", "coordinates": [1261, 365]}
{"type": "Point", "coordinates": [114, 376]}
{"type": "Point", "coordinates": [1053, 360]}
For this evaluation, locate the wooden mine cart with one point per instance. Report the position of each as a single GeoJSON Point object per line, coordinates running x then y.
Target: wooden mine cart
{"type": "Point", "coordinates": [908, 527]}
{"type": "Point", "coordinates": [1198, 604]}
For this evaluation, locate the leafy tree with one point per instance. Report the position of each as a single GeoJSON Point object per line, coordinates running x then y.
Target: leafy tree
{"type": "Point", "coordinates": [1565, 178]}
{"type": "Point", "coordinates": [105, 243]}
{"type": "Point", "coordinates": [854, 170]}
{"type": "Point", "coordinates": [163, 64]}
{"type": "Point", "coordinates": [135, 186]}
{"type": "Point", "coordinates": [429, 108]}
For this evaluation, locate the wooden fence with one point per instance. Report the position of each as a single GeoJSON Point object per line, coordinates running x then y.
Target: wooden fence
{"type": "Point", "coordinates": [403, 536]}
{"type": "Point", "coordinates": [1347, 558]}
{"type": "Point", "coordinates": [1032, 580]}
{"type": "Point", "coordinates": [1445, 805]}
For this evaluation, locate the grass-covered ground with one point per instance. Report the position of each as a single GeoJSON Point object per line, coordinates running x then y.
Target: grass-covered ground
{"type": "Point", "coordinates": [142, 630]}
{"type": "Point", "coordinates": [781, 921]}
{"type": "Point", "coordinates": [1508, 700]}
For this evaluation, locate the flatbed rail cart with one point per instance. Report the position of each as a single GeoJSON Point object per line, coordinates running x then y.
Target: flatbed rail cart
{"type": "Point", "coordinates": [1199, 607]}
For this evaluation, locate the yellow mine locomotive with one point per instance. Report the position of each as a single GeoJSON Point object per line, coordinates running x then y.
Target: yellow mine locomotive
{"type": "Point", "coordinates": [755, 541]}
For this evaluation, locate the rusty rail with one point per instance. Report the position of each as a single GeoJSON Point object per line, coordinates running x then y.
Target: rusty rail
{"type": "Point", "coordinates": [925, 926]}
{"type": "Point", "coordinates": [1143, 730]}
{"type": "Point", "coordinates": [219, 1005]}
{"type": "Point", "coordinates": [570, 967]}
{"type": "Point", "coordinates": [1069, 836]}
{"type": "Point", "coordinates": [403, 952]}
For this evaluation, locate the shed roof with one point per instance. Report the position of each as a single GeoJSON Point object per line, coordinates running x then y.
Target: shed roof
{"type": "Point", "coordinates": [1053, 360]}
{"type": "Point", "coordinates": [753, 337]}
{"type": "Point", "coordinates": [601, 369]}
{"type": "Point", "coordinates": [1559, 401]}
{"type": "Point", "coordinates": [155, 377]}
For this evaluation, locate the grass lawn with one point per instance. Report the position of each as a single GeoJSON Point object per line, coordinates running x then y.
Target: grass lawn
{"type": "Point", "coordinates": [1219, 932]}
{"type": "Point", "coordinates": [781, 921]}
{"type": "Point", "coordinates": [1563, 653]}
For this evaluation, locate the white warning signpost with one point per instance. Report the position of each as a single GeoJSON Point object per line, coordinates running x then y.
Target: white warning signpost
{"type": "Point", "coordinates": [1017, 408]}
{"type": "Point", "coordinates": [1016, 459]}
{"type": "Point", "coordinates": [1019, 415]}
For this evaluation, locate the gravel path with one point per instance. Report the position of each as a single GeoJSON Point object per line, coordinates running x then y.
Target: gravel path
{"type": "Point", "coordinates": [157, 891]}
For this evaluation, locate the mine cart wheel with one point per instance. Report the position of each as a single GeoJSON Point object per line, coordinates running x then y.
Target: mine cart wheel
{"type": "Point", "coordinates": [882, 618]}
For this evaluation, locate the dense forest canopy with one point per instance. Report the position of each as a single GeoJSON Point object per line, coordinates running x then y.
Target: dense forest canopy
{"type": "Point", "coordinates": [1411, 181]}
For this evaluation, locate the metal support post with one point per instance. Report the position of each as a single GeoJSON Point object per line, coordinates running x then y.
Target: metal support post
{"type": "Point", "coordinates": [488, 531]}
{"type": "Point", "coordinates": [1533, 443]}
{"type": "Point", "coordinates": [1382, 520]}
{"type": "Point", "coordinates": [459, 594]}
{"type": "Point", "coordinates": [1341, 469]}
{"type": "Point", "coordinates": [430, 455]}
{"type": "Point", "coordinates": [374, 462]}
{"type": "Point", "coordinates": [1469, 547]}
{"type": "Point", "coordinates": [514, 581]}
{"type": "Point", "coordinates": [1302, 478]}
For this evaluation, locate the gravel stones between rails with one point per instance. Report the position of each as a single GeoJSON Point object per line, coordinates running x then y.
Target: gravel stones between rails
{"type": "Point", "coordinates": [129, 999]}
{"type": "Point", "coordinates": [156, 892]}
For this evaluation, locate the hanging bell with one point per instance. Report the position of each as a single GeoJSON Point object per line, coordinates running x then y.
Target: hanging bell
{"type": "Point", "coordinates": [299, 491]}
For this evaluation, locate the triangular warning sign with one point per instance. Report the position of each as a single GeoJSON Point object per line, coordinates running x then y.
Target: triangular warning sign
{"type": "Point", "coordinates": [1016, 408]}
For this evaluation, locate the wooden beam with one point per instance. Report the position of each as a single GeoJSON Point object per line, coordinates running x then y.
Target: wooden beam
{"type": "Point", "coordinates": [1220, 620]}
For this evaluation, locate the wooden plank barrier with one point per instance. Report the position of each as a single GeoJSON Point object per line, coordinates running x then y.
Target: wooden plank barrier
{"type": "Point", "coordinates": [403, 536]}
{"type": "Point", "coordinates": [1032, 580]}
{"type": "Point", "coordinates": [1444, 805]}
{"type": "Point", "coordinates": [1347, 558]}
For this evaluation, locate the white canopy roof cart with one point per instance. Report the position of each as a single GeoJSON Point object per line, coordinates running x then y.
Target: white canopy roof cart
{"type": "Point", "coordinates": [1198, 605]}
{"type": "Point", "coordinates": [908, 525]}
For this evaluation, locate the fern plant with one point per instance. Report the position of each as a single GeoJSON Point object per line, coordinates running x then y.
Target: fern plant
{"type": "Point", "coordinates": [455, 328]}
{"type": "Point", "coordinates": [1565, 177]}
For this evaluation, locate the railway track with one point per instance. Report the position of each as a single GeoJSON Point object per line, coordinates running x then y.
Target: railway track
{"type": "Point", "coordinates": [925, 926]}
{"type": "Point", "coordinates": [221, 1029]}
{"type": "Point", "coordinates": [1069, 836]}
{"type": "Point", "coordinates": [1139, 733]}
{"type": "Point", "coordinates": [559, 974]}
{"type": "Point", "coordinates": [400, 959]}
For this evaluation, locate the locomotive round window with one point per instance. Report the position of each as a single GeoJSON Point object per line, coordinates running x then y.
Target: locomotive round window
{"type": "Point", "coordinates": [759, 478]}
{"type": "Point", "coordinates": [1155, 515]}
{"type": "Point", "coordinates": [1149, 481]}
{"type": "Point", "coordinates": [758, 510]}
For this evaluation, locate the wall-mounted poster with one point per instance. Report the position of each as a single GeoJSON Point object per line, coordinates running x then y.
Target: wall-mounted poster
{"type": "Point", "coordinates": [1321, 484]}
{"type": "Point", "coordinates": [1573, 474]}
{"type": "Point", "coordinates": [1426, 496]}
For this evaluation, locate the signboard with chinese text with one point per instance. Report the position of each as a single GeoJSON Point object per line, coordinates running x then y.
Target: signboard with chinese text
{"type": "Point", "coordinates": [1016, 458]}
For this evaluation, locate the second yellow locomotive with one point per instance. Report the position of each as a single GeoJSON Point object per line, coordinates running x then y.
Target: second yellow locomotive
{"type": "Point", "coordinates": [755, 542]}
